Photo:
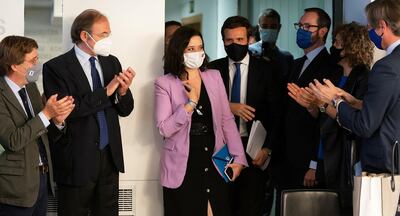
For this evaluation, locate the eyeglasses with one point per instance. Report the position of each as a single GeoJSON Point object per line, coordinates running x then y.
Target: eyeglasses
{"type": "Point", "coordinates": [304, 26]}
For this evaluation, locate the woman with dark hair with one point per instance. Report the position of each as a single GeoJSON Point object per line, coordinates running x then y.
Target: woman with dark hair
{"type": "Point", "coordinates": [353, 52]}
{"type": "Point", "coordinates": [193, 116]}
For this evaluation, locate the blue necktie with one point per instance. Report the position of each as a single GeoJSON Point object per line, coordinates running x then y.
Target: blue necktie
{"type": "Point", "coordinates": [101, 115]}
{"type": "Point", "coordinates": [235, 93]}
{"type": "Point", "coordinates": [42, 149]}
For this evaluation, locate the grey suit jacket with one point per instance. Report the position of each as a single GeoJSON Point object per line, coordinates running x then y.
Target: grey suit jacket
{"type": "Point", "coordinates": [378, 122]}
{"type": "Point", "coordinates": [19, 163]}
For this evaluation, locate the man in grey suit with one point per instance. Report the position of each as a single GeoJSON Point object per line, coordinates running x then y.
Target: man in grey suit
{"type": "Point", "coordinates": [376, 119]}
{"type": "Point", "coordinates": [25, 164]}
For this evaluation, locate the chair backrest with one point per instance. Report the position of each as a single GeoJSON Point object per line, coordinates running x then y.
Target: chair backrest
{"type": "Point", "coordinates": [309, 203]}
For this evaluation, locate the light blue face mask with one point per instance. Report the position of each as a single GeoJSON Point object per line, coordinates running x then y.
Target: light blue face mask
{"type": "Point", "coordinates": [268, 35]}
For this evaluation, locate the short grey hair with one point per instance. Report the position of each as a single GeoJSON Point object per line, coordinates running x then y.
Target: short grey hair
{"type": "Point", "coordinates": [386, 10]}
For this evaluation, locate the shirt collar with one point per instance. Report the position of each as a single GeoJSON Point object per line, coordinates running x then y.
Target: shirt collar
{"type": "Point", "coordinates": [392, 46]}
{"type": "Point", "coordinates": [82, 56]}
{"type": "Point", "coordinates": [244, 61]}
{"type": "Point", "coordinates": [311, 55]}
{"type": "Point", "coordinates": [14, 87]}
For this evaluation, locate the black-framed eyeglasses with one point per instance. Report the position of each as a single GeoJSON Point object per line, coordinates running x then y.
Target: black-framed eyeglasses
{"type": "Point", "coordinates": [304, 26]}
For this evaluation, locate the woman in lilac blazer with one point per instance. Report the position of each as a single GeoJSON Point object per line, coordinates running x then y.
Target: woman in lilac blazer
{"type": "Point", "coordinates": [193, 116]}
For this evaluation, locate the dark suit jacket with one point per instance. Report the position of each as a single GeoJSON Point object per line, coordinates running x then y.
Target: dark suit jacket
{"type": "Point", "coordinates": [378, 122]}
{"type": "Point", "coordinates": [262, 94]}
{"type": "Point", "coordinates": [76, 154]}
{"type": "Point", "coordinates": [19, 163]}
{"type": "Point", "coordinates": [301, 129]}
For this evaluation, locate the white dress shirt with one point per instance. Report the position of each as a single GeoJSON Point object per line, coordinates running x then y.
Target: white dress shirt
{"type": "Point", "coordinates": [83, 59]}
{"type": "Point", "coordinates": [310, 57]}
{"type": "Point", "coordinates": [244, 70]}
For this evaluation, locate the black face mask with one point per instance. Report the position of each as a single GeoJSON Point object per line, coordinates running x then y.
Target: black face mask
{"type": "Point", "coordinates": [236, 52]}
{"type": "Point", "coordinates": [335, 54]}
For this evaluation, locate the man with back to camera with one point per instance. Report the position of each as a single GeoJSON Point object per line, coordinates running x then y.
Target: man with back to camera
{"type": "Point", "coordinates": [269, 26]}
{"type": "Point", "coordinates": [89, 157]}
{"type": "Point", "coordinates": [26, 127]}
{"type": "Point", "coordinates": [376, 118]}
{"type": "Point", "coordinates": [252, 89]}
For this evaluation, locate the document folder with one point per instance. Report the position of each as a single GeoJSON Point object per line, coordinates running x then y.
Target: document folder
{"type": "Point", "coordinates": [221, 159]}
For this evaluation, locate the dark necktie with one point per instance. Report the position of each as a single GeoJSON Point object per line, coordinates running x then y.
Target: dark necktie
{"type": "Point", "coordinates": [42, 149]}
{"type": "Point", "coordinates": [101, 115]}
{"type": "Point", "coordinates": [235, 93]}
{"type": "Point", "coordinates": [295, 75]}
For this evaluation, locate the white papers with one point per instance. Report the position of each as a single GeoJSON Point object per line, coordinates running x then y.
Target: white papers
{"type": "Point", "coordinates": [256, 141]}
{"type": "Point", "coordinates": [1, 150]}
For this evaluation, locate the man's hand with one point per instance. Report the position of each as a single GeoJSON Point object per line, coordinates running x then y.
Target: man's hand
{"type": "Point", "coordinates": [54, 107]}
{"type": "Point", "coordinates": [112, 86]}
{"type": "Point", "coordinates": [125, 80]}
{"type": "Point", "coordinates": [261, 157]}
{"type": "Point", "coordinates": [244, 111]}
{"type": "Point", "coordinates": [59, 119]}
{"type": "Point", "coordinates": [309, 178]}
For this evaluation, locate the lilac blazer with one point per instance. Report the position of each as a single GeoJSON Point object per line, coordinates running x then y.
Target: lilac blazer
{"type": "Point", "coordinates": [174, 122]}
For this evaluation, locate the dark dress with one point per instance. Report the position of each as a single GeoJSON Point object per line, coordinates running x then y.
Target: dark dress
{"type": "Point", "coordinates": [202, 182]}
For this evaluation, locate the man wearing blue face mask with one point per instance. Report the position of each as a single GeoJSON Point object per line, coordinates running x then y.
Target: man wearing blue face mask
{"type": "Point", "coordinates": [89, 157]}
{"type": "Point", "coordinates": [299, 150]}
{"type": "Point", "coordinates": [269, 25]}
{"type": "Point", "coordinates": [376, 118]}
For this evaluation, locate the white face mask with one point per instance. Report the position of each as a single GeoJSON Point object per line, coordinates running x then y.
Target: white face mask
{"type": "Point", "coordinates": [101, 47]}
{"type": "Point", "coordinates": [268, 35]}
{"type": "Point", "coordinates": [193, 60]}
{"type": "Point", "coordinates": [33, 73]}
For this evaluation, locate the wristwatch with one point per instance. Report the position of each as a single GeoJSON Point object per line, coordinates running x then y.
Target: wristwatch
{"type": "Point", "coordinates": [323, 108]}
{"type": "Point", "coordinates": [336, 101]}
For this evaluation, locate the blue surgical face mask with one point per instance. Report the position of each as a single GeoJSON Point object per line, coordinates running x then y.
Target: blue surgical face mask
{"type": "Point", "coordinates": [375, 38]}
{"type": "Point", "coordinates": [303, 38]}
{"type": "Point", "coordinates": [268, 35]}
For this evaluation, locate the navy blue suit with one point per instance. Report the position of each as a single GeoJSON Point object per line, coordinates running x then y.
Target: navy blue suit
{"type": "Point", "coordinates": [378, 122]}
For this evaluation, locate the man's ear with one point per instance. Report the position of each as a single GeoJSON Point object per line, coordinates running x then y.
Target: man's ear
{"type": "Point", "coordinates": [83, 35]}
{"type": "Point", "coordinates": [323, 31]}
{"type": "Point", "coordinates": [14, 67]}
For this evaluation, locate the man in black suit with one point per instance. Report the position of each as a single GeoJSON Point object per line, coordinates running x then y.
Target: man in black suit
{"type": "Point", "coordinates": [376, 118]}
{"type": "Point", "coordinates": [89, 157]}
{"type": "Point", "coordinates": [298, 154]}
{"type": "Point", "coordinates": [253, 93]}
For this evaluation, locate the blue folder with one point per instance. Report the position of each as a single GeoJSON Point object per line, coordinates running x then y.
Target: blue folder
{"type": "Point", "coordinates": [221, 159]}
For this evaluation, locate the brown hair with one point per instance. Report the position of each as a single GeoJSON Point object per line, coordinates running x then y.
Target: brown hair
{"type": "Point", "coordinates": [173, 59]}
{"type": "Point", "coordinates": [387, 10]}
{"type": "Point", "coordinates": [356, 44]}
{"type": "Point", "coordinates": [236, 22]}
{"type": "Point", "coordinates": [84, 22]}
{"type": "Point", "coordinates": [13, 50]}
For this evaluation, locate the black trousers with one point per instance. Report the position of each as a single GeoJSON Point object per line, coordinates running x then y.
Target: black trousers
{"type": "Point", "coordinates": [99, 197]}
{"type": "Point", "coordinates": [249, 190]}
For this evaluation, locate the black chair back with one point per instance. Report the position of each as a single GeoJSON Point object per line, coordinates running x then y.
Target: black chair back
{"type": "Point", "coordinates": [309, 202]}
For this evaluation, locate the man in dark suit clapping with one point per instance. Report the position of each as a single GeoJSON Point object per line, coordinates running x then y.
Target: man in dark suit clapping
{"type": "Point", "coordinates": [89, 157]}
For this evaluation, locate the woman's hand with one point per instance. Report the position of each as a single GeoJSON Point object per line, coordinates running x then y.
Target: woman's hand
{"type": "Point", "coordinates": [325, 92]}
{"type": "Point", "coordinates": [237, 168]}
{"type": "Point", "coordinates": [191, 92]}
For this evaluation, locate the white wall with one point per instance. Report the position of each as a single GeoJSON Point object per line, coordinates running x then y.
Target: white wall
{"type": "Point", "coordinates": [11, 18]}
{"type": "Point", "coordinates": [214, 13]}
{"type": "Point", "coordinates": [137, 34]}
